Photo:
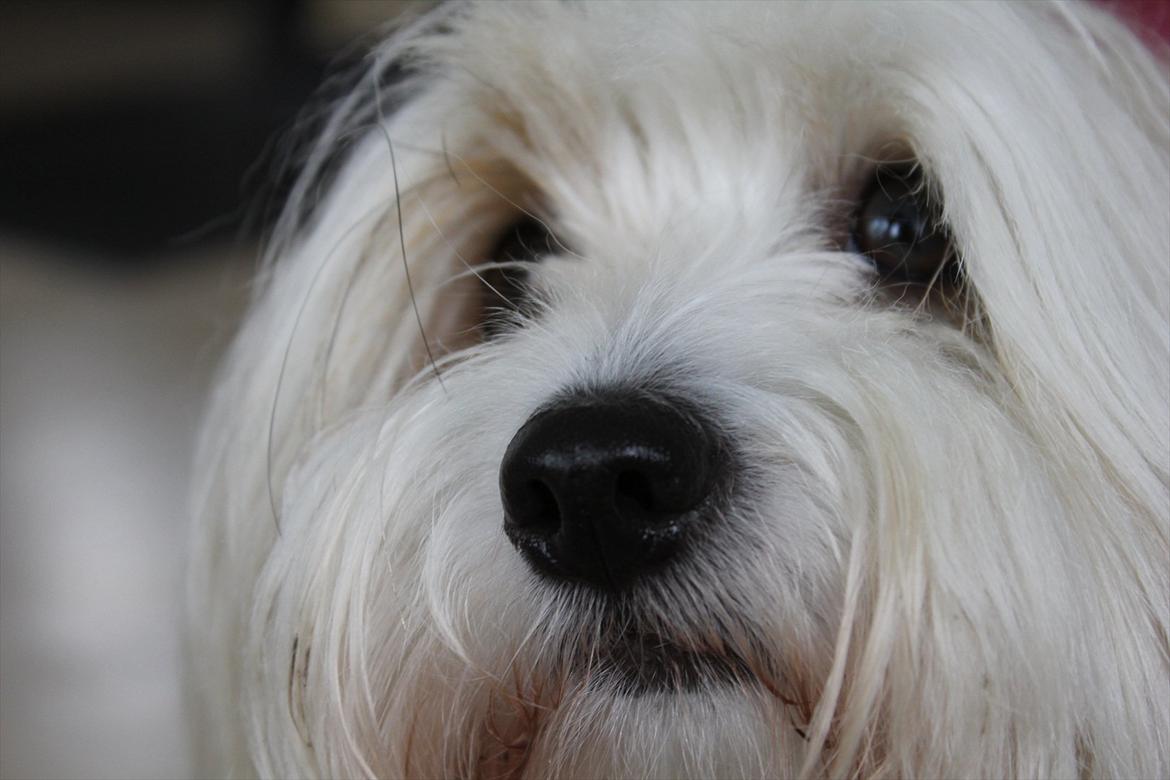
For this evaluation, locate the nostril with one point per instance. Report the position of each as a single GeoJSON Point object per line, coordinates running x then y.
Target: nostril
{"type": "Point", "coordinates": [633, 491]}
{"type": "Point", "coordinates": [539, 511]}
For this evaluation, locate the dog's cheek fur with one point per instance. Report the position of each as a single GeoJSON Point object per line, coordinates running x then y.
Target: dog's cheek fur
{"type": "Point", "coordinates": [955, 550]}
{"type": "Point", "coordinates": [331, 331]}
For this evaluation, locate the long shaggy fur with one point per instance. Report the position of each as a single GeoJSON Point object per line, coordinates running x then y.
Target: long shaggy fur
{"type": "Point", "coordinates": [950, 556]}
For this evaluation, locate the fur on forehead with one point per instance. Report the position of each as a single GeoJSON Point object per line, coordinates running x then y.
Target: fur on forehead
{"type": "Point", "coordinates": [582, 90]}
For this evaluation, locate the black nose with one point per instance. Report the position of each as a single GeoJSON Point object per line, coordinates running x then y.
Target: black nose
{"type": "Point", "coordinates": [604, 489]}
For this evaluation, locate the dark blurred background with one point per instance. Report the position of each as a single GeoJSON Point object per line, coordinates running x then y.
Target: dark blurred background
{"type": "Point", "coordinates": [128, 129]}
{"type": "Point", "coordinates": [142, 151]}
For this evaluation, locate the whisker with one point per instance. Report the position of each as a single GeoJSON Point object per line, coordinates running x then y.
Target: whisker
{"type": "Point", "coordinates": [402, 236]}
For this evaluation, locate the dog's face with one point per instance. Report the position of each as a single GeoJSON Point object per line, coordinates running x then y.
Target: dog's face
{"type": "Point", "coordinates": [775, 389]}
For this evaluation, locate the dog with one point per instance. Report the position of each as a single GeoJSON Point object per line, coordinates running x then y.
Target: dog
{"type": "Point", "coordinates": [705, 390]}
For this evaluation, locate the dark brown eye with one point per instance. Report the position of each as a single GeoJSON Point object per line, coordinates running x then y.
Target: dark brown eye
{"type": "Point", "coordinates": [899, 229]}
{"type": "Point", "coordinates": [505, 286]}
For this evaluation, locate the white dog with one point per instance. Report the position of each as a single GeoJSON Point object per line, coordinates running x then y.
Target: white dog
{"type": "Point", "coordinates": [721, 390]}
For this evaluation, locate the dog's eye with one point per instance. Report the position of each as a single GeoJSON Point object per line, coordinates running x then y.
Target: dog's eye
{"type": "Point", "coordinates": [505, 278]}
{"type": "Point", "coordinates": [899, 229]}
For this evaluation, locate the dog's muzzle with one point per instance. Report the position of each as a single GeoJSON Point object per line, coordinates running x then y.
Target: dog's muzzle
{"type": "Point", "coordinates": [604, 489]}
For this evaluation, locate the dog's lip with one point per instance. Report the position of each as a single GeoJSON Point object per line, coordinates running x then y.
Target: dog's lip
{"type": "Point", "coordinates": [639, 663]}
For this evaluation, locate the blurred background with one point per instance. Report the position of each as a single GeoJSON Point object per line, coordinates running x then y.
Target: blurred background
{"type": "Point", "coordinates": [140, 153]}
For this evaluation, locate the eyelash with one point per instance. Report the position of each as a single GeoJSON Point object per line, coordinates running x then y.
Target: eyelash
{"type": "Point", "coordinates": [505, 287]}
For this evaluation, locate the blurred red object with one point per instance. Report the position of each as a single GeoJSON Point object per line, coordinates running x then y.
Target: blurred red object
{"type": "Point", "coordinates": [1151, 18]}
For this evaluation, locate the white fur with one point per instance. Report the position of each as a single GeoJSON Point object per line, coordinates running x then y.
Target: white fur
{"type": "Point", "coordinates": [956, 560]}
